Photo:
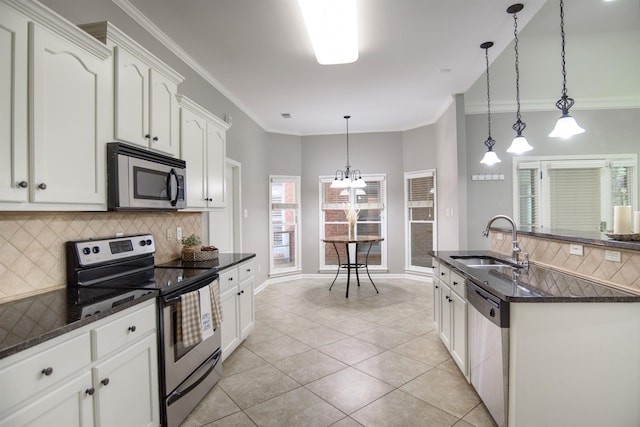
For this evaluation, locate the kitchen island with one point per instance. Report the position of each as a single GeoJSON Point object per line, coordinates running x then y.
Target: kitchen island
{"type": "Point", "coordinates": [573, 344]}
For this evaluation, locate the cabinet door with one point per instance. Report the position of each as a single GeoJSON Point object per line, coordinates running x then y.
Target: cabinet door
{"type": "Point", "coordinates": [69, 405]}
{"type": "Point", "coordinates": [131, 98]}
{"type": "Point", "coordinates": [13, 106]}
{"type": "Point", "coordinates": [68, 92]}
{"type": "Point", "coordinates": [437, 304]}
{"type": "Point", "coordinates": [216, 144]}
{"type": "Point", "coordinates": [127, 387]}
{"type": "Point", "coordinates": [193, 143]}
{"type": "Point", "coordinates": [445, 315]}
{"type": "Point", "coordinates": [459, 332]}
{"type": "Point", "coordinates": [246, 308]}
{"type": "Point", "coordinates": [163, 117]}
{"type": "Point", "coordinates": [230, 325]}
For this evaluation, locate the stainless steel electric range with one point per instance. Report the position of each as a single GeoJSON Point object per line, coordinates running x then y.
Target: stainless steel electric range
{"type": "Point", "coordinates": [187, 373]}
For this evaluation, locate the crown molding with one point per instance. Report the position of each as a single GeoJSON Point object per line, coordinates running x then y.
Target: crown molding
{"type": "Point", "coordinates": [192, 106]}
{"type": "Point", "coordinates": [609, 103]}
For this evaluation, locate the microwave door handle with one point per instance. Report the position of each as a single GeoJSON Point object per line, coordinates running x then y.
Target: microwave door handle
{"type": "Point", "coordinates": [173, 175]}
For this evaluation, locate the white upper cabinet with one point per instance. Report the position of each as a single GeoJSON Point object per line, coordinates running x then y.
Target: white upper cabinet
{"type": "Point", "coordinates": [53, 123]}
{"type": "Point", "coordinates": [145, 106]}
{"type": "Point", "coordinates": [203, 147]}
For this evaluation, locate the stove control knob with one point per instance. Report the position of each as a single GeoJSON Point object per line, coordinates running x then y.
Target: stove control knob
{"type": "Point", "coordinates": [492, 313]}
{"type": "Point", "coordinates": [86, 251]}
{"type": "Point", "coordinates": [149, 242]}
{"type": "Point", "coordinates": [143, 243]}
{"type": "Point", "coordinates": [95, 249]}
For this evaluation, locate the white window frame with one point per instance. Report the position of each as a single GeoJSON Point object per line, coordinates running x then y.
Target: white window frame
{"type": "Point", "coordinates": [297, 267]}
{"type": "Point", "coordinates": [382, 177]}
{"type": "Point", "coordinates": [408, 221]}
{"type": "Point", "coordinates": [545, 163]}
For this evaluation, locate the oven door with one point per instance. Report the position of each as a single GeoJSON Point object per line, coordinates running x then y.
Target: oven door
{"type": "Point", "coordinates": [180, 361]}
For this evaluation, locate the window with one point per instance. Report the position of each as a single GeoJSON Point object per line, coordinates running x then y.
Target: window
{"type": "Point", "coordinates": [573, 193]}
{"type": "Point", "coordinates": [420, 219]}
{"type": "Point", "coordinates": [372, 219]}
{"type": "Point", "coordinates": [284, 242]}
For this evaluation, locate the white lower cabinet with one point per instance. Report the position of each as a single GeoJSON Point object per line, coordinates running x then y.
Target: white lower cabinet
{"type": "Point", "coordinates": [65, 382]}
{"type": "Point", "coordinates": [237, 300]}
{"type": "Point", "coordinates": [450, 314]}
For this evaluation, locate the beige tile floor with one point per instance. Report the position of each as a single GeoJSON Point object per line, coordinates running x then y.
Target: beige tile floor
{"type": "Point", "coordinates": [316, 358]}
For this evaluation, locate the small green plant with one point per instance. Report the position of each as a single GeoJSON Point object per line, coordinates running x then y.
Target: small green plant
{"type": "Point", "coordinates": [192, 240]}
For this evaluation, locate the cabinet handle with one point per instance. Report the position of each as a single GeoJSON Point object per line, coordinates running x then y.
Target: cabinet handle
{"type": "Point", "coordinates": [47, 371]}
{"type": "Point", "coordinates": [248, 270]}
{"type": "Point", "coordinates": [155, 138]}
{"type": "Point", "coordinates": [442, 274]}
{"type": "Point", "coordinates": [242, 291]}
{"type": "Point", "coordinates": [42, 186]}
{"type": "Point", "coordinates": [238, 293]}
{"type": "Point", "coordinates": [437, 286]}
{"type": "Point", "coordinates": [23, 184]}
{"type": "Point", "coordinates": [132, 328]}
{"type": "Point", "coordinates": [90, 391]}
{"type": "Point", "coordinates": [231, 279]}
{"type": "Point", "coordinates": [148, 136]}
{"type": "Point", "coordinates": [105, 381]}
{"type": "Point", "coordinates": [455, 283]}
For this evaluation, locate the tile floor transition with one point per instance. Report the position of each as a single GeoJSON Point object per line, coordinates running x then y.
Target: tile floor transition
{"type": "Point", "coordinates": [316, 358]}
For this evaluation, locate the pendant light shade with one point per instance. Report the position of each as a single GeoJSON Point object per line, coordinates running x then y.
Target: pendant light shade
{"type": "Point", "coordinates": [490, 157]}
{"type": "Point", "coordinates": [566, 126]}
{"type": "Point", "coordinates": [520, 144]}
{"type": "Point", "coordinates": [348, 178]}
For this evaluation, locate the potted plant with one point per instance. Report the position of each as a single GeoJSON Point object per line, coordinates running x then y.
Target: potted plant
{"type": "Point", "coordinates": [191, 243]}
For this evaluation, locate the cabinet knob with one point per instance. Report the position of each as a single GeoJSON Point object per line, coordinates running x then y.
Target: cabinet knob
{"type": "Point", "coordinates": [238, 293]}
{"type": "Point", "coordinates": [90, 391]}
{"type": "Point", "coordinates": [132, 328]}
{"type": "Point", "coordinates": [23, 184]}
{"type": "Point", "coordinates": [248, 270]}
{"type": "Point", "coordinates": [105, 381]}
{"type": "Point", "coordinates": [155, 138]}
{"type": "Point", "coordinates": [437, 286]}
{"type": "Point", "coordinates": [42, 186]}
{"type": "Point", "coordinates": [242, 292]}
{"type": "Point", "coordinates": [47, 371]}
{"type": "Point", "coordinates": [455, 283]}
{"type": "Point", "coordinates": [442, 274]}
{"type": "Point", "coordinates": [231, 279]}
{"type": "Point", "coordinates": [148, 136]}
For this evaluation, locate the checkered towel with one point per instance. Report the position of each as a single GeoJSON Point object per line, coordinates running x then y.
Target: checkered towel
{"type": "Point", "coordinates": [190, 325]}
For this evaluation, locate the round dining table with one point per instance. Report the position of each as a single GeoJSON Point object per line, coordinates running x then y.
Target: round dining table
{"type": "Point", "coordinates": [355, 265]}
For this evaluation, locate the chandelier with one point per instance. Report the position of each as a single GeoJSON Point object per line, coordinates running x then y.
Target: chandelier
{"type": "Point", "coordinates": [348, 178]}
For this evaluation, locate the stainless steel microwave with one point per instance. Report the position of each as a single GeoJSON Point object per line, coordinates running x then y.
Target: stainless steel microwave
{"type": "Point", "coordinates": [141, 180]}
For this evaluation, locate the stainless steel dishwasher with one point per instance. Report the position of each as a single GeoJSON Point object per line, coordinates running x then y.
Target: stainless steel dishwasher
{"type": "Point", "coordinates": [489, 350]}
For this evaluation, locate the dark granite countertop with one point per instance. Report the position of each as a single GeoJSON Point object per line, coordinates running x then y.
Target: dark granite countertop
{"type": "Point", "coordinates": [595, 238]}
{"type": "Point", "coordinates": [538, 284]}
{"type": "Point", "coordinates": [33, 320]}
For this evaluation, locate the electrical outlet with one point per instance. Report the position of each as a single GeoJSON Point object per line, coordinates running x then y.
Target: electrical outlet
{"type": "Point", "coordinates": [179, 233]}
{"type": "Point", "coordinates": [613, 256]}
{"type": "Point", "coordinates": [169, 234]}
{"type": "Point", "coordinates": [576, 250]}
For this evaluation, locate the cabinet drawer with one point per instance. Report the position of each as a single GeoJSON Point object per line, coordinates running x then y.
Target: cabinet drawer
{"type": "Point", "coordinates": [228, 279]}
{"type": "Point", "coordinates": [24, 377]}
{"type": "Point", "coordinates": [444, 273]}
{"type": "Point", "coordinates": [246, 270]}
{"type": "Point", "coordinates": [457, 285]}
{"type": "Point", "coordinates": [122, 331]}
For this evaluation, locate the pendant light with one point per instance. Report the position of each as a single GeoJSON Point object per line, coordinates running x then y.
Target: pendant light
{"type": "Point", "coordinates": [348, 178]}
{"type": "Point", "coordinates": [490, 157]}
{"type": "Point", "coordinates": [520, 144]}
{"type": "Point", "coordinates": [566, 126]}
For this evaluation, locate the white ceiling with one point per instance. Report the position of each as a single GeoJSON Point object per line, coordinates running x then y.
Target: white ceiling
{"type": "Point", "coordinates": [414, 54]}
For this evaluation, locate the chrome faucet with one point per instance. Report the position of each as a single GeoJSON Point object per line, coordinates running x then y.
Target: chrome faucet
{"type": "Point", "coordinates": [515, 249]}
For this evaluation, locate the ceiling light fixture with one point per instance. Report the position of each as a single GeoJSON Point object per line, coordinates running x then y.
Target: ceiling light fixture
{"type": "Point", "coordinates": [519, 144]}
{"type": "Point", "coordinates": [566, 126]}
{"type": "Point", "coordinates": [490, 157]}
{"type": "Point", "coordinates": [348, 178]}
{"type": "Point", "coordinates": [333, 28]}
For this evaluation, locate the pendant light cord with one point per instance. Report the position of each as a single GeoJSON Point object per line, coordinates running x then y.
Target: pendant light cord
{"type": "Point", "coordinates": [486, 56]}
{"type": "Point", "coordinates": [564, 70]}
{"type": "Point", "coordinates": [348, 166]}
{"type": "Point", "coordinates": [519, 125]}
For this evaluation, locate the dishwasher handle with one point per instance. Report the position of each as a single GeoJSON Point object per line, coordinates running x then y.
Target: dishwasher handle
{"type": "Point", "coordinates": [489, 305]}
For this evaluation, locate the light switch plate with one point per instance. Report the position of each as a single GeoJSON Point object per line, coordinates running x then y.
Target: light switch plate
{"type": "Point", "coordinates": [613, 256]}
{"type": "Point", "coordinates": [576, 250]}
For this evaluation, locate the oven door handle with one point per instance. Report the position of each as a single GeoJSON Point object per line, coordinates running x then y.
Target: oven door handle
{"type": "Point", "coordinates": [172, 299]}
{"type": "Point", "coordinates": [179, 392]}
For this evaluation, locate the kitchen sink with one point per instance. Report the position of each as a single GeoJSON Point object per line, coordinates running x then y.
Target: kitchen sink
{"type": "Point", "coordinates": [483, 261]}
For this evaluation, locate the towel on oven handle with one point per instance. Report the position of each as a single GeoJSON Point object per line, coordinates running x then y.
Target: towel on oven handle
{"type": "Point", "coordinates": [199, 314]}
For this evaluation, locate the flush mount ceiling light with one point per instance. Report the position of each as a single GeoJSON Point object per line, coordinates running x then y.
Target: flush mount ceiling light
{"type": "Point", "coordinates": [332, 27]}
{"type": "Point", "coordinates": [566, 126]}
{"type": "Point", "coordinates": [520, 144]}
{"type": "Point", "coordinates": [348, 178]}
{"type": "Point", "coordinates": [490, 157]}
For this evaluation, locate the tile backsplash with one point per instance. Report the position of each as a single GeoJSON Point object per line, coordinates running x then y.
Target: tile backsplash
{"type": "Point", "coordinates": [591, 265]}
{"type": "Point", "coordinates": [32, 257]}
